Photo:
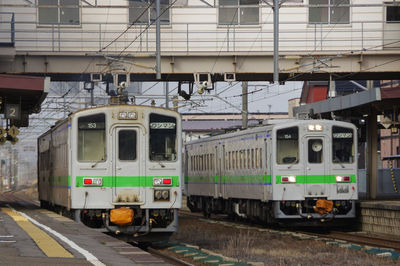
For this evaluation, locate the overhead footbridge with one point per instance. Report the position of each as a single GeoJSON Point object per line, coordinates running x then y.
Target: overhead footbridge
{"type": "Point", "coordinates": [99, 40]}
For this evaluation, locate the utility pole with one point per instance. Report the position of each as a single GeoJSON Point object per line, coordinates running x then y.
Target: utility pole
{"type": "Point", "coordinates": [158, 46]}
{"type": "Point", "coordinates": [276, 40]}
{"type": "Point", "coordinates": [166, 86]}
{"type": "Point", "coordinates": [244, 104]}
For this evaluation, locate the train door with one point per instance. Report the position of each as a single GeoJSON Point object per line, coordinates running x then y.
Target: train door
{"type": "Point", "coordinates": [316, 165]}
{"type": "Point", "coordinates": [128, 147]}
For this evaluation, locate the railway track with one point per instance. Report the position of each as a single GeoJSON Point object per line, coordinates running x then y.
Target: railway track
{"type": "Point", "coordinates": [351, 237]}
{"type": "Point", "coordinates": [357, 238]}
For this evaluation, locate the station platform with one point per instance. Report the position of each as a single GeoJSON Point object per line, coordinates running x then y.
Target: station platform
{"type": "Point", "coordinates": [380, 217]}
{"type": "Point", "coordinates": [34, 236]}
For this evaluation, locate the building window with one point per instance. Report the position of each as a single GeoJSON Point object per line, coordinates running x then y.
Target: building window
{"type": "Point", "coordinates": [332, 12]}
{"type": "Point", "coordinates": [63, 12]}
{"type": "Point", "coordinates": [140, 13]}
{"type": "Point", "coordinates": [393, 14]}
{"type": "Point", "coordinates": [238, 12]}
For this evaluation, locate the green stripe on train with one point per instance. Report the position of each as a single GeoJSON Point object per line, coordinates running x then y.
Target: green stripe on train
{"type": "Point", "coordinates": [229, 179]}
{"type": "Point", "coordinates": [127, 181]}
{"type": "Point", "coordinates": [316, 179]}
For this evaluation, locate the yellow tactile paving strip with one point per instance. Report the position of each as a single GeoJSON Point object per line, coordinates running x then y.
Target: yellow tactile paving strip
{"type": "Point", "coordinates": [47, 244]}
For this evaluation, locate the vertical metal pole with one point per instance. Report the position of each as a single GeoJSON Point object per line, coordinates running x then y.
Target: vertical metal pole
{"type": "Point", "coordinates": [158, 48]}
{"type": "Point", "coordinates": [362, 35]}
{"type": "Point", "coordinates": [244, 104]}
{"type": "Point", "coordinates": [227, 38]}
{"type": "Point", "coordinates": [276, 40]}
{"type": "Point", "coordinates": [99, 35]}
{"type": "Point", "coordinates": [372, 148]}
{"type": "Point", "coordinates": [166, 86]}
{"type": "Point", "coordinates": [91, 97]}
{"type": "Point", "coordinates": [332, 87]}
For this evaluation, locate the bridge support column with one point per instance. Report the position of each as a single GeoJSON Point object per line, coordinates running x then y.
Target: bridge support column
{"type": "Point", "coordinates": [372, 151]}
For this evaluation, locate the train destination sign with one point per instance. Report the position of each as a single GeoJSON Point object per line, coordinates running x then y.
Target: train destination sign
{"type": "Point", "coordinates": [343, 135]}
{"type": "Point", "coordinates": [162, 125]}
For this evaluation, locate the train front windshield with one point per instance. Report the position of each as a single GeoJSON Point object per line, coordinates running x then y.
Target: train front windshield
{"type": "Point", "coordinates": [92, 138]}
{"type": "Point", "coordinates": [287, 145]}
{"type": "Point", "coordinates": [342, 145]}
{"type": "Point", "coordinates": [163, 138]}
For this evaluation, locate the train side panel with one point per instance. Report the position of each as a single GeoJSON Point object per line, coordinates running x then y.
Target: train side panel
{"type": "Point", "coordinates": [53, 173]}
{"type": "Point", "coordinates": [245, 175]}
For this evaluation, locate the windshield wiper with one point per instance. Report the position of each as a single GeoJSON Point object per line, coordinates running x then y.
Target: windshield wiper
{"type": "Point", "coordinates": [336, 160]}
{"type": "Point", "coordinates": [94, 165]}
{"type": "Point", "coordinates": [290, 165]}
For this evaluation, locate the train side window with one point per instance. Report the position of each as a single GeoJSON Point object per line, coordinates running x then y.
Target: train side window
{"type": "Point", "coordinates": [252, 158]}
{"type": "Point", "coordinates": [237, 159]}
{"type": "Point", "coordinates": [287, 145]}
{"type": "Point", "coordinates": [191, 163]}
{"type": "Point", "coordinates": [163, 138]}
{"type": "Point", "coordinates": [92, 138]}
{"type": "Point", "coordinates": [256, 158]}
{"type": "Point", "coordinates": [315, 151]}
{"type": "Point", "coordinates": [127, 142]}
{"type": "Point", "coordinates": [342, 145]}
{"type": "Point", "coordinates": [260, 157]}
{"type": "Point", "coordinates": [248, 159]}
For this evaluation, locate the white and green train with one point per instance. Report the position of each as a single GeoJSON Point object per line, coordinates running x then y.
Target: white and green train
{"type": "Point", "coordinates": [299, 170]}
{"type": "Point", "coordinates": [119, 165]}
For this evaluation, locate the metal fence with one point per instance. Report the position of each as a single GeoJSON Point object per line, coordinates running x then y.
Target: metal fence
{"type": "Point", "coordinates": [196, 37]}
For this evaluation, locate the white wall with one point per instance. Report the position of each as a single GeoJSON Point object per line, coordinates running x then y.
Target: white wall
{"type": "Point", "coordinates": [194, 28]}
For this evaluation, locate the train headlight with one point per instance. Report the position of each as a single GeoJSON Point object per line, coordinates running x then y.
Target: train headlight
{"type": "Point", "coordinates": [122, 115]}
{"type": "Point", "coordinates": [165, 194]}
{"type": "Point", "coordinates": [314, 127]}
{"type": "Point", "coordinates": [157, 194]}
{"type": "Point", "coordinates": [288, 179]}
{"type": "Point", "coordinates": [342, 179]}
{"type": "Point", "coordinates": [93, 181]}
{"type": "Point", "coordinates": [127, 115]}
{"type": "Point", "coordinates": [162, 182]}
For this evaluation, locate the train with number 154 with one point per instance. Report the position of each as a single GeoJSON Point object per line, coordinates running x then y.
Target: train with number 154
{"type": "Point", "coordinates": [300, 171]}
{"type": "Point", "coordinates": [116, 165]}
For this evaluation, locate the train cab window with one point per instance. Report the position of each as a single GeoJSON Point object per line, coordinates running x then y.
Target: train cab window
{"type": "Point", "coordinates": [92, 138]}
{"type": "Point", "coordinates": [127, 145]}
{"type": "Point", "coordinates": [342, 145]}
{"type": "Point", "coordinates": [315, 151]}
{"type": "Point", "coordinates": [163, 138]}
{"type": "Point", "coordinates": [287, 145]}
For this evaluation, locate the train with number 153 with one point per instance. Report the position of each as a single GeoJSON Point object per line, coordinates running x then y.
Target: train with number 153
{"type": "Point", "coordinates": [300, 171]}
{"type": "Point", "coordinates": [116, 165]}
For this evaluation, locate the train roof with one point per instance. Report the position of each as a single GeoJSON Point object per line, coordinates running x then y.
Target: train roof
{"type": "Point", "coordinates": [104, 107]}
{"type": "Point", "coordinates": [269, 126]}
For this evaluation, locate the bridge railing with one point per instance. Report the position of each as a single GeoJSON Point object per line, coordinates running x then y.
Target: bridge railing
{"type": "Point", "coordinates": [198, 37]}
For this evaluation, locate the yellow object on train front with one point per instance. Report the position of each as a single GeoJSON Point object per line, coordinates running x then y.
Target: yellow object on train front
{"type": "Point", "coordinates": [121, 216]}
